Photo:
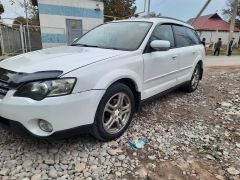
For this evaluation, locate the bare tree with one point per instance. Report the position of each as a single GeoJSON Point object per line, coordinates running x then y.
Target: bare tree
{"type": "Point", "coordinates": [31, 6]}
{"type": "Point", "coordinates": [22, 20]}
{"type": "Point", "coordinates": [119, 8]}
{"type": "Point", "coordinates": [228, 12]}
{"type": "Point", "coordinates": [153, 15]}
{"type": "Point", "coordinates": [1, 9]}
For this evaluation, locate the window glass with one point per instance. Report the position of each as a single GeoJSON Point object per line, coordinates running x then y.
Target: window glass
{"type": "Point", "coordinates": [182, 39]}
{"type": "Point", "coordinates": [163, 32]}
{"type": "Point", "coordinates": [197, 36]}
{"type": "Point", "coordinates": [193, 38]}
{"type": "Point", "coordinates": [185, 36]}
{"type": "Point", "coordinates": [122, 36]}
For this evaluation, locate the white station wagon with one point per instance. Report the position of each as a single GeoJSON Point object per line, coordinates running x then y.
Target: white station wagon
{"type": "Point", "coordinates": [98, 83]}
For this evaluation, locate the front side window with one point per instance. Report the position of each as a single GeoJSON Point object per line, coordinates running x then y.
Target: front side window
{"type": "Point", "coordinates": [163, 32]}
{"type": "Point", "coordinates": [121, 36]}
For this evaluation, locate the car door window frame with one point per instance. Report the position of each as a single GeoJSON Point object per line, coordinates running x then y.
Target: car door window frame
{"type": "Point", "coordinates": [148, 48]}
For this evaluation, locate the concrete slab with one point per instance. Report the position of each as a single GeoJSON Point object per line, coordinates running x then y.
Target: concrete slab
{"type": "Point", "coordinates": [212, 61]}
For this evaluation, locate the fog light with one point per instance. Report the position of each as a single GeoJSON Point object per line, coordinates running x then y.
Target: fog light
{"type": "Point", "coordinates": [45, 126]}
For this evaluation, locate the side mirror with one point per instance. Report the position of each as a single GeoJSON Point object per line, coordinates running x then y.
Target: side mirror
{"type": "Point", "coordinates": [160, 45]}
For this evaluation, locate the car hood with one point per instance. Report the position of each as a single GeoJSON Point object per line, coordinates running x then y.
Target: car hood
{"type": "Point", "coordinates": [66, 58]}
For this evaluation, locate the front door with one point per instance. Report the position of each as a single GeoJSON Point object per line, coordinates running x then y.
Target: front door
{"type": "Point", "coordinates": [74, 29]}
{"type": "Point", "coordinates": [160, 67]}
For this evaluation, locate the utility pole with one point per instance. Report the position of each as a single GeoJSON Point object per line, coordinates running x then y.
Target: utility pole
{"type": "Point", "coordinates": [1, 40]}
{"type": "Point", "coordinates": [149, 6]}
{"type": "Point", "coordinates": [27, 23]}
{"type": "Point", "coordinates": [234, 16]}
{"type": "Point", "coordinates": [201, 11]}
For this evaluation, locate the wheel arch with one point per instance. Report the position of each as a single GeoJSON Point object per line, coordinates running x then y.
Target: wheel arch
{"type": "Point", "coordinates": [134, 88]}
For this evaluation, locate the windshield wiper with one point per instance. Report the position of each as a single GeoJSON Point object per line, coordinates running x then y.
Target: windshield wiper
{"type": "Point", "coordinates": [103, 47]}
{"type": "Point", "coordinates": [110, 48]}
{"type": "Point", "coordinates": [85, 45]}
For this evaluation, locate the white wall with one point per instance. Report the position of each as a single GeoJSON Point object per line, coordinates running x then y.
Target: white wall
{"type": "Point", "coordinates": [212, 36]}
{"type": "Point", "coordinates": [53, 15]}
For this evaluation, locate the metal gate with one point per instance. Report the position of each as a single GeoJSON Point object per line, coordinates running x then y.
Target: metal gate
{"type": "Point", "coordinates": [74, 29]}
{"type": "Point", "coordinates": [16, 39]}
{"type": "Point", "coordinates": [32, 38]}
{"type": "Point", "coordinates": [11, 39]}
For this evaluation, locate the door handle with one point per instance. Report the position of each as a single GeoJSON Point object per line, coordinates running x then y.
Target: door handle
{"type": "Point", "coordinates": [174, 57]}
{"type": "Point", "coordinates": [194, 52]}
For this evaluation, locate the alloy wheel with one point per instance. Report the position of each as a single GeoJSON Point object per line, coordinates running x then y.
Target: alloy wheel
{"type": "Point", "coordinates": [117, 113]}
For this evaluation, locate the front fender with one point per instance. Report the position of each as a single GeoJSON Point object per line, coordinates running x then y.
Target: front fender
{"type": "Point", "coordinates": [116, 75]}
{"type": "Point", "coordinates": [101, 75]}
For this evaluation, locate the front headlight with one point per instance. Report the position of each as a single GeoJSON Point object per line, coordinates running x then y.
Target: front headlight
{"type": "Point", "coordinates": [41, 89]}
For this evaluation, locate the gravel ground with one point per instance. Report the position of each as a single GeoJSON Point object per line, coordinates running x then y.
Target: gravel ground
{"type": "Point", "coordinates": [190, 136]}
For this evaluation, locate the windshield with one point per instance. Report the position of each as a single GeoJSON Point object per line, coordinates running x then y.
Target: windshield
{"type": "Point", "coordinates": [121, 36]}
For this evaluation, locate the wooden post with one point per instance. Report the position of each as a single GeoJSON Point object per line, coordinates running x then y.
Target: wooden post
{"type": "Point", "coordinates": [1, 39]}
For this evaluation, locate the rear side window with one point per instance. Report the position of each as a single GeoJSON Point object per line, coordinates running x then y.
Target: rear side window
{"type": "Point", "coordinates": [185, 36]}
{"type": "Point", "coordinates": [182, 40]}
{"type": "Point", "coordinates": [163, 32]}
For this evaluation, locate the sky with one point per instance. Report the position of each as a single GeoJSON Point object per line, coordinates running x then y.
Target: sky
{"type": "Point", "coordinates": [12, 11]}
{"type": "Point", "coordinates": [181, 9]}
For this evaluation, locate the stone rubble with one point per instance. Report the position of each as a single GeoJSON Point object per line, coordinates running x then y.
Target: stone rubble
{"type": "Point", "coordinates": [190, 136]}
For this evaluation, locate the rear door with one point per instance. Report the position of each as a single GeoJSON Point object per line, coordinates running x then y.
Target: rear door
{"type": "Point", "coordinates": [160, 67]}
{"type": "Point", "coordinates": [187, 43]}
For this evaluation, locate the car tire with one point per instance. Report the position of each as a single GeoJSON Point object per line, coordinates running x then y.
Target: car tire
{"type": "Point", "coordinates": [192, 85]}
{"type": "Point", "coordinates": [114, 113]}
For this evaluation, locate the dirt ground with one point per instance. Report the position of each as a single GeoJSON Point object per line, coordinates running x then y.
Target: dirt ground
{"type": "Point", "coordinates": [205, 138]}
{"type": "Point", "coordinates": [190, 136]}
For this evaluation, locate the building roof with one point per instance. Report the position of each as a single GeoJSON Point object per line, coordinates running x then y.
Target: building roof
{"type": "Point", "coordinates": [212, 22]}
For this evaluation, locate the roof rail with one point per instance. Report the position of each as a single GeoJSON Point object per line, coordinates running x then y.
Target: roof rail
{"type": "Point", "coordinates": [172, 18]}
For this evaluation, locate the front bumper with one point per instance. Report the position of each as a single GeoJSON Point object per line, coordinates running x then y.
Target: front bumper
{"type": "Point", "coordinates": [65, 113]}
{"type": "Point", "coordinates": [19, 129]}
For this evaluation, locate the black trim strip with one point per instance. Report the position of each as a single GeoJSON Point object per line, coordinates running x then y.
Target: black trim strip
{"type": "Point", "coordinates": [161, 94]}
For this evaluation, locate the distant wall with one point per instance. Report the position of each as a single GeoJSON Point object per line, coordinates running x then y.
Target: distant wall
{"type": "Point", "coordinates": [212, 36]}
{"type": "Point", "coordinates": [10, 39]}
{"type": "Point", "coordinates": [53, 15]}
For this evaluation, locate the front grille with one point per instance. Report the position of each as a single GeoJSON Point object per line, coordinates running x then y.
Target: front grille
{"type": "Point", "coordinates": [3, 88]}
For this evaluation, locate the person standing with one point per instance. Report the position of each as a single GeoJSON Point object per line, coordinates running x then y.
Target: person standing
{"type": "Point", "coordinates": [218, 46]}
{"type": "Point", "coordinates": [204, 42]}
{"type": "Point", "coordinates": [230, 47]}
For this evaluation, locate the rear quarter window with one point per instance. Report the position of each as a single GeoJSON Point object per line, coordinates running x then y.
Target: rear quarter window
{"type": "Point", "coordinates": [193, 36]}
